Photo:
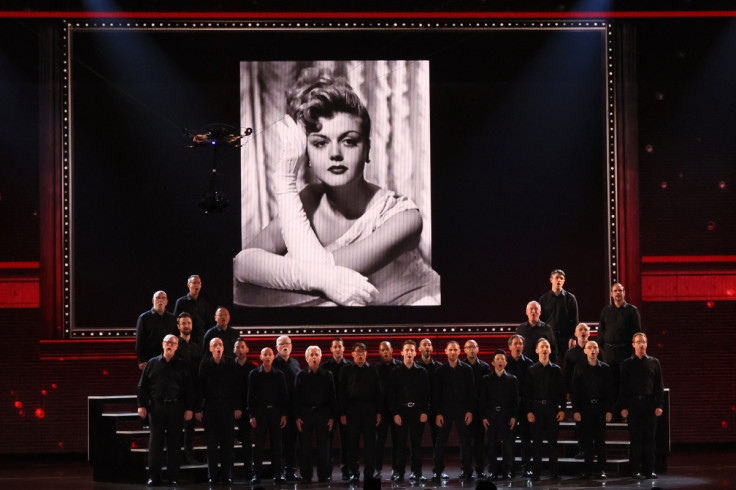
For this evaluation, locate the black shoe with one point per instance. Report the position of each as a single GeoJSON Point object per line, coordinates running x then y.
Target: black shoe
{"type": "Point", "coordinates": [153, 482]}
{"type": "Point", "coordinates": [438, 477]}
{"type": "Point", "coordinates": [555, 476]}
{"type": "Point", "coordinates": [652, 476]}
{"type": "Point", "coordinates": [465, 475]}
{"type": "Point", "coordinates": [601, 476]}
{"type": "Point", "coordinates": [326, 479]}
{"type": "Point", "coordinates": [481, 476]}
{"type": "Point", "coordinates": [345, 476]}
{"type": "Point", "coordinates": [527, 472]}
{"type": "Point", "coordinates": [417, 477]}
{"type": "Point", "coordinates": [255, 480]}
{"type": "Point", "coordinates": [492, 476]}
{"type": "Point", "coordinates": [353, 478]}
{"type": "Point", "coordinates": [291, 476]}
{"type": "Point", "coordinates": [580, 455]}
{"type": "Point", "coordinates": [638, 476]}
{"type": "Point", "coordinates": [398, 477]}
{"type": "Point", "coordinates": [507, 476]}
{"type": "Point", "coordinates": [279, 480]}
{"type": "Point", "coordinates": [533, 476]}
{"type": "Point", "coordinates": [173, 482]}
{"type": "Point", "coordinates": [226, 480]}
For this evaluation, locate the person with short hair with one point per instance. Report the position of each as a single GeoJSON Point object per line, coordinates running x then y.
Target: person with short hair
{"type": "Point", "coordinates": [641, 398]}
{"type": "Point", "coordinates": [592, 408]}
{"type": "Point", "coordinates": [197, 306]}
{"type": "Point", "coordinates": [560, 311]}
{"type": "Point", "coordinates": [517, 364]}
{"type": "Point", "coordinates": [477, 432]}
{"type": "Point", "coordinates": [219, 409]}
{"type": "Point", "coordinates": [618, 323]}
{"type": "Point", "coordinates": [166, 395]}
{"type": "Point", "coordinates": [315, 409]}
{"type": "Point", "coordinates": [385, 366]}
{"type": "Point", "coordinates": [288, 365]}
{"type": "Point", "coordinates": [427, 362]}
{"type": "Point", "coordinates": [545, 399]}
{"type": "Point", "coordinates": [151, 327]}
{"type": "Point", "coordinates": [498, 407]}
{"type": "Point", "coordinates": [360, 394]}
{"type": "Point", "coordinates": [576, 355]}
{"type": "Point", "coordinates": [244, 368]}
{"type": "Point", "coordinates": [408, 399]}
{"type": "Point", "coordinates": [268, 406]}
{"type": "Point", "coordinates": [191, 353]}
{"type": "Point", "coordinates": [455, 397]}
{"type": "Point", "coordinates": [534, 329]}
{"type": "Point", "coordinates": [335, 365]}
{"type": "Point", "coordinates": [221, 330]}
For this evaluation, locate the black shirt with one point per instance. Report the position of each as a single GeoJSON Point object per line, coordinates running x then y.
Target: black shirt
{"type": "Point", "coordinates": [290, 369]}
{"type": "Point", "coordinates": [480, 369]}
{"type": "Point", "coordinates": [219, 382]}
{"type": "Point", "coordinates": [518, 367]}
{"type": "Point", "coordinates": [201, 313]}
{"type": "Point", "coordinates": [616, 330]}
{"type": "Point", "coordinates": [574, 356]}
{"type": "Point", "coordinates": [560, 312]}
{"type": "Point", "coordinates": [498, 391]}
{"type": "Point", "coordinates": [409, 386]}
{"type": "Point", "coordinates": [267, 389]}
{"type": "Point", "coordinates": [641, 377]}
{"type": "Point", "coordinates": [384, 372]}
{"type": "Point", "coordinates": [150, 332]}
{"type": "Point", "coordinates": [532, 335]}
{"type": "Point", "coordinates": [166, 380]}
{"type": "Point", "coordinates": [592, 383]}
{"type": "Point", "coordinates": [453, 390]}
{"type": "Point", "coordinates": [313, 390]}
{"type": "Point", "coordinates": [189, 352]}
{"type": "Point", "coordinates": [544, 383]}
{"type": "Point", "coordinates": [359, 385]}
{"type": "Point", "coordinates": [243, 373]}
{"type": "Point", "coordinates": [228, 336]}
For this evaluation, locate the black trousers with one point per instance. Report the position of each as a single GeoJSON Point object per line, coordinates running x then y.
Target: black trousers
{"type": "Point", "coordinates": [343, 435]}
{"type": "Point", "coordinates": [499, 429]}
{"type": "Point", "coordinates": [522, 430]}
{"type": "Point", "coordinates": [466, 460]}
{"type": "Point", "coordinates": [592, 427]}
{"type": "Point", "coordinates": [314, 424]}
{"type": "Point", "coordinates": [642, 431]}
{"type": "Point", "coordinates": [478, 441]}
{"type": "Point", "coordinates": [411, 428]}
{"type": "Point", "coordinates": [545, 426]}
{"type": "Point", "coordinates": [361, 421]}
{"type": "Point", "coordinates": [381, 436]}
{"type": "Point", "coordinates": [166, 420]}
{"type": "Point", "coordinates": [289, 436]}
{"type": "Point", "coordinates": [219, 435]}
{"type": "Point", "coordinates": [268, 421]}
{"type": "Point", "coordinates": [245, 438]}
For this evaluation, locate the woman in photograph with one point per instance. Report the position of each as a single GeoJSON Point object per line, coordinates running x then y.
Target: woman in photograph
{"type": "Point", "coordinates": [344, 239]}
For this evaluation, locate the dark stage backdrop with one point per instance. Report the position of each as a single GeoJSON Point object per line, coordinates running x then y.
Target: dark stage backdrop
{"type": "Point", "coordinates": [519, 162]}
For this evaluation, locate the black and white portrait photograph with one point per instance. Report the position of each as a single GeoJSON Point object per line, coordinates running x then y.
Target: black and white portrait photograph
{"type": "Point", "coordinates": [335, 200]}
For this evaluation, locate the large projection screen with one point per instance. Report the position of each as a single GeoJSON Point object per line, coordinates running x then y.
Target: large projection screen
{"type": "Point", "coordinates": [499, 134]}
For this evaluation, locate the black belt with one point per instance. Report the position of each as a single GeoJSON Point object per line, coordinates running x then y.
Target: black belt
{"type": "Point", "coordinates": [167, 400]}
{"type": "Point", "coordinates": [593, 401]}
{"type": "Point", "coordinates": [642, 397]}
{"type": "Point", "coordinates": [545, 402]}
{"type": "Point", "coordinates": [408, 404]}
{"type": "Point", "coordinates": [614, 345]}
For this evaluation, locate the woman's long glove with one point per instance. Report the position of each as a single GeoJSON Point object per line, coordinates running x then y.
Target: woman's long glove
{"type": "Point", "coordinates": [342, 285]}
{"type": "Point", "coordinates": [301, 241]}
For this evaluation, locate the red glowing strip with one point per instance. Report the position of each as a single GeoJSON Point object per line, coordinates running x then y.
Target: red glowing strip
{"type": "Point", "coordinates": [79, 357]}
{"type": "Point", "coordinates": [18, 265]}
{"type": "Point", "coordinates": [116, 340]}
{"type": "Point", "coordinates": [688, 259]}
{"type": "Point", "coordinates": [366, 15]}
